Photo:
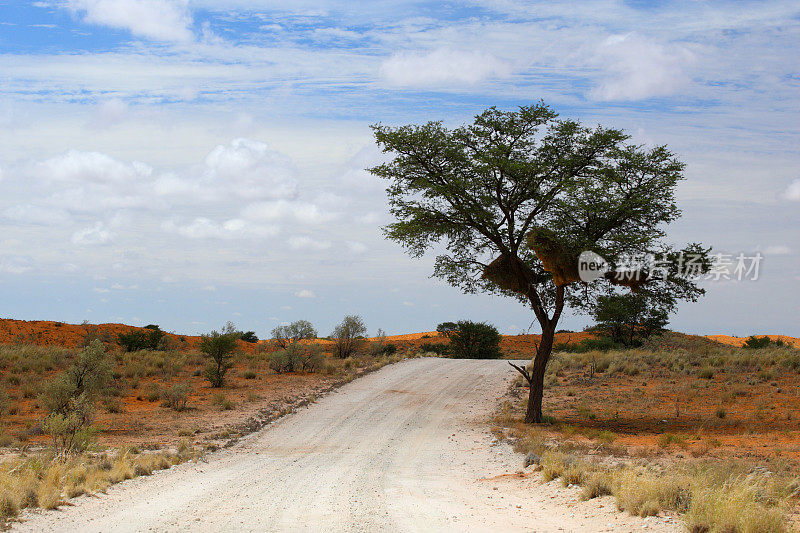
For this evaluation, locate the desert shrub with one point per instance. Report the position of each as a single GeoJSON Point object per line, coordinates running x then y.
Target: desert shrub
{"type": "Point", "coordinates": [706, 373]}
{"type": "Point", "coordinates": [5, 402]}
{"type": "Point", "coordinates": [250, 374]}
{"type": "Point", "coordinates": [147, 338]}
{"type": "Point", "coordinates": [475, 340]}
{"type": "Point", "coordinates": [176, 396]}
{"type": "Point", "coordinates": [377, 349]}
{"type": "Point", "coordinates": [297, 358]}
{"type": "Point", "coordinates": [348, 336]}
{"type": "Point", "coordinates": [68, 399]}
{"type": "Point", "coordinates": [757, 343]}
{"type": "Point", "coordinates": [152, 392]}
{"type": "Point", "coordinates": [432, 347]}
{"type": "Point", "coordinates": [600, 344]}
{"type": "Point", "coordinates": [218, 348]}
{"type": "Point", "coordinates": [279, 361]}
{"type": "Point", "coordinates": [249, 336]}
{"type": "Point", "coordinates": [292, 333]}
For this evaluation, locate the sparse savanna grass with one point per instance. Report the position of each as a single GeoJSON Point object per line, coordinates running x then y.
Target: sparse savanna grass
{"type": "Point", "coordinates": [710, 496]}
{"type": "Point", "coordinates": [41, 480]}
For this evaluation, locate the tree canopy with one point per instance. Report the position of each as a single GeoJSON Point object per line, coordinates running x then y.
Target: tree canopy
{"type": "Point", "coordinates": [510, 202]}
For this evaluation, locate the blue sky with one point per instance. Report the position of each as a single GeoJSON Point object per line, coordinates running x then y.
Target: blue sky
{"type": "Point", "coordinates": [189, 162]}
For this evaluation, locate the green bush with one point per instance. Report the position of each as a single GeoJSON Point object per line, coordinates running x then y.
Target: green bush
{"type": "Point", "coordinates": [348, 336]}
{"type": "Point", "coordinates": [297, 358]}
{"type": "Point", "coordinates": [147, 338]}
{"type": "Point", "coordinates": [218, 348]}
{"type": "Point", "coordinates": [431, 347]}
{"type": "Point", "coordinates": [177, 396]}
{"type": "Point", "coordinates": [475, 340]}
{"type": "Point", "coordinates": [757, 343]}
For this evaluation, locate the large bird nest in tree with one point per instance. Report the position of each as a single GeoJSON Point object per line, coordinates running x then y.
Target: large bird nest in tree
{"type": "Point", "coordinates": [512, 274]}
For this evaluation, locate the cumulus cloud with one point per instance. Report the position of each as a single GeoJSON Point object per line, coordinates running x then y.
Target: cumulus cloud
{"type": "Point", "coordinates": [633, 68]}
{"type": "Point", "coordinates": [160, 20]}
{"type": "Point", "coordinates": [95, 234]}
{"type": "Point", "coordinates": [35, 214]}
{"type": "Point", "coordinates": [205, 228]}
{"type": "Point", "coordinates": [793, 191]}
{"type": "Point", "coordinates": [777, 250]}
{"type": "Point", "coordinates": [109, 113]}
{"type": "Point", "coordinates": [305, 293]}
{"type": "Point", "coordinates": [16, 264]}
{"type": "Point", "coordinates": [251, 170]}
{"type": "Point", "coordinates": [441, 67]}
{"type": "Point", "coordinates": [286, 210]}
{"type": "Point", "coordinates": [356, 247]}
{"type": "Point", "coordinates": [91, 167]}
{"type": "Point", "coordinates": [307, 243]}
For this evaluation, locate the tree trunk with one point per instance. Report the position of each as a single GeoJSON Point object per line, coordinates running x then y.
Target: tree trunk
{"type": "Point", "coordinates": [534, 412]}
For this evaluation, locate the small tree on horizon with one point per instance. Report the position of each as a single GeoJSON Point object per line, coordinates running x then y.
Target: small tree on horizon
{"type": "Point", "coordinates": [516, 196]}
{"type": "Point", "coordinates": [219, 348]}
{"type": "Point", "coordinates": [349, 336]}
{"type": "Point", "coordinates": [630, 318]}
{"type": "Point", "coordinates": [288, 334]}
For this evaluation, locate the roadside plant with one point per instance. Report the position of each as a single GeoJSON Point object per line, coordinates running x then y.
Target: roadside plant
{"type": "Point", "coordinates": [218, 349]}
{"type": "Point", "coordinates": [349, 336]}
{"type": "Point", "coordinates": [475, 340]}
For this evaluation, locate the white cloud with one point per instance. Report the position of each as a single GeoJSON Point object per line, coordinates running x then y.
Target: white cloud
{"type": "Point", "coordinates": [777, 250]}
{"type": "Point", "coordinates": [635, 68]}
{"type": "Point", "coordinates": [441, 67]}
{"type": "Point", "coordinates": [109, 113]}
{"type": "Point", "coordinates": [96, 234]}
{"type": "Point", "coordinates": [357, 247]}
{"type": "Point", "coordinates": [205, 228]}
{"type": "Point", "coordinates": [36, 214]}
{"type": "Point", "coordinates": [286, 210]}
{"type": "Point", "coordinates": [305, 293]}
{"type": "Point", "coordinates": [91, 167]}
{"type": "Point", "coordinates": [16, 264]}
{"type": "Point", "coordinates": [161, 20]}
{"type": "Point", "coordinates": [307, 243]}
{"type": "Point", "coordinates": [251, 170]}
{"type": "Point", "coordinates": [793, 191]}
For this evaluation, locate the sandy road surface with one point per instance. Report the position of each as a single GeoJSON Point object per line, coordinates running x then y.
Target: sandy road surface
{"type": "Point", "coordinates": [403, 449]}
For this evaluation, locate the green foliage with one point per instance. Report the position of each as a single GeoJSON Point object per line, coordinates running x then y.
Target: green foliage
{"type": "Point", "coordinates": [631, 318]}
{"type": "Point", "coordinates": [249, 336]}
{"type": "Point", "coordinates": [601, 344]}
{"type": "Point", "coordinates": [297, 358]}
{"type": "Point", "coordinates": [475, 340]}
{"type": "Point", "coordinates": [298, 330]}
{"type": "Point", "coordinates": [176, 396]}
{"type": "Point", "coordinates": [433, 347]}
{"type": "Point", "coordinates": [757, 343]}
{"type": "Point", "coordinates": [348, 336]}
{"type": "Point", "coordinates": [446, 329]}
{"type": "Point", "coordinates": [219, 349]}
{"type": "Point", "coordinates": [68, 399]}
{"type": "Point", "coordinates": [147, 338]}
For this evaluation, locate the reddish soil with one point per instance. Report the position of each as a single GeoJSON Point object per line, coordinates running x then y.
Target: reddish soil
{"type": "Point", "coordinates": [761, 415]}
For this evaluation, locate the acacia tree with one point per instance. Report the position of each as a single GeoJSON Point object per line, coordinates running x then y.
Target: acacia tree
{"type": "Point", "coordinates": [511, 201]}
{"type": "Point", "coordinates": [629, 318]}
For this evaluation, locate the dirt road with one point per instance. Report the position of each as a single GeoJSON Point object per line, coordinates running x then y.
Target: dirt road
{"type": "Point", "coordinates": [403, 449]}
